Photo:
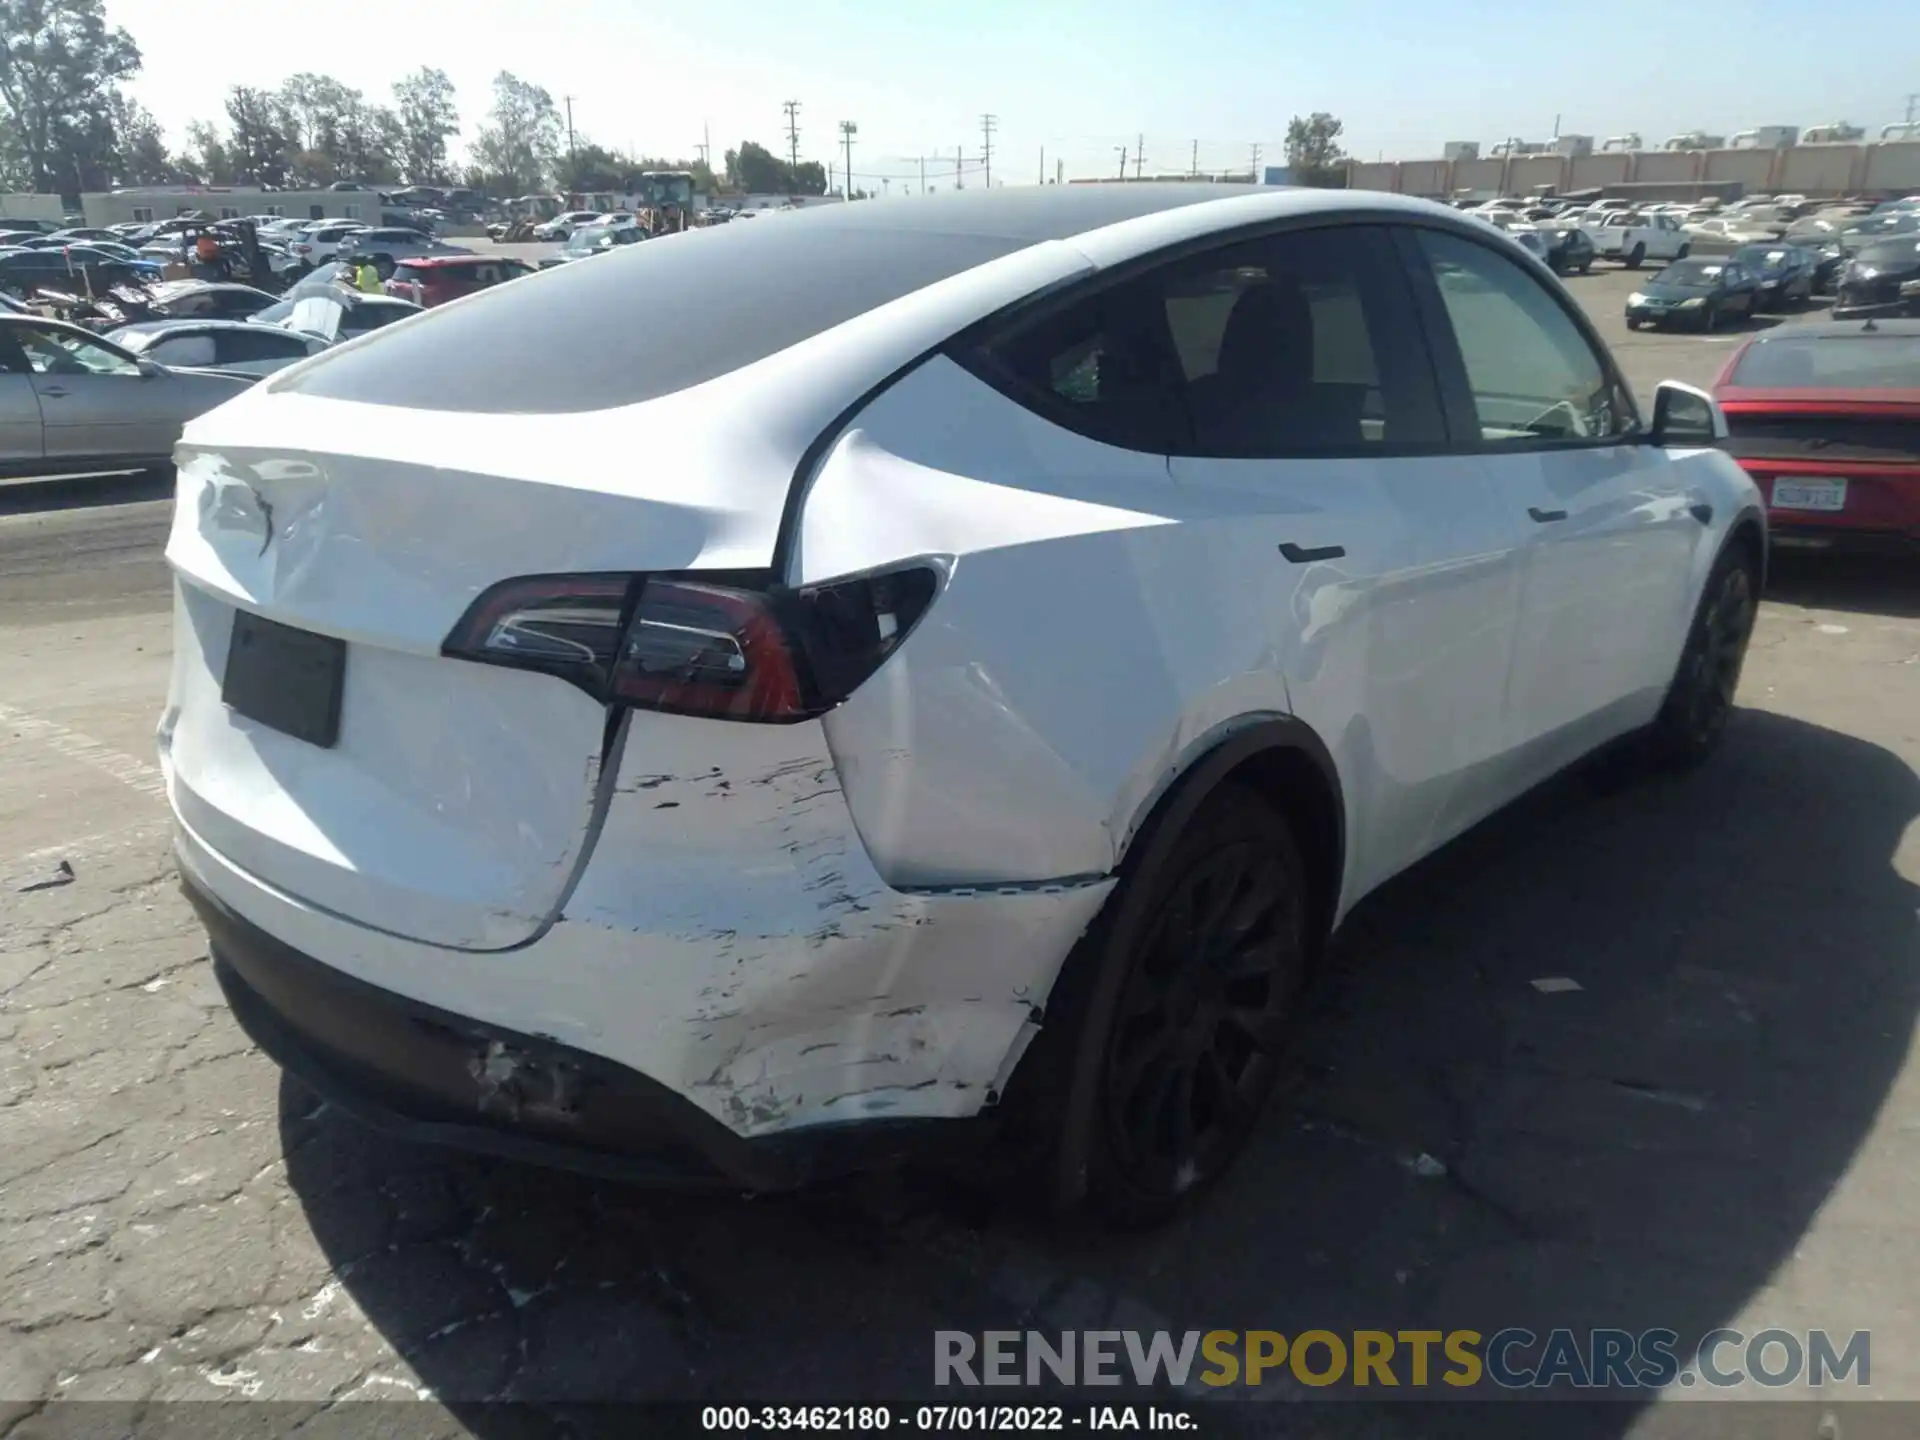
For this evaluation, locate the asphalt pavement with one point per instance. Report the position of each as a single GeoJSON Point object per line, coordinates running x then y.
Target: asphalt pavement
{"type": "Point", "coordinates": [1709, 1115]}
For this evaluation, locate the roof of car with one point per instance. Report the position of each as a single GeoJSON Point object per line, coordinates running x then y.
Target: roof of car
{"type": "Point", "coordinates": [171, 289]}
{"type": "Point", "coordinates": [149, 327]}
{"type": "Point", "coordinates": [1839, 330]}
{"type": "Point", "coordinates": [415, 262]}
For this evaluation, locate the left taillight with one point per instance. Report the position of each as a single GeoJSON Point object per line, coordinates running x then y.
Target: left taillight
{"type": "Point", "coordinates": [695, 647]}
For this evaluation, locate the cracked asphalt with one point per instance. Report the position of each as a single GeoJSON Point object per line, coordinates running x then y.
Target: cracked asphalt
{"type": "Point", "coordinates": [1718, 1123]}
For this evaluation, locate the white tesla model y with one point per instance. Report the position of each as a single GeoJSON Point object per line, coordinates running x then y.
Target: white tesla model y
{"type": "Point", "coordinates": [795, 693]}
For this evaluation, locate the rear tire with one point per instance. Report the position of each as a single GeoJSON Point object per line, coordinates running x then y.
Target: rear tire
{"type": "Point", "coordinates": [1694, 718]}
{"type": "Point", "coordinates": [1586, 266]}
{"type": "Point", "coordinates": [1637, 257]}
{"type": "Point", "coordinates": [1163, 1037]}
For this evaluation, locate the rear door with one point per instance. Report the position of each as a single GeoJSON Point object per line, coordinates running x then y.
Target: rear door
{"type": "Point", "coordinates": [1611, 534]}
{"type": "Point", "coordinates": [1374, 569]}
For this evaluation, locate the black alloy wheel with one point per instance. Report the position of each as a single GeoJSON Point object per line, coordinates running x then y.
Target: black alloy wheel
{"type": "Point", "coordinates": [1193, 1046]}
{"type": "Point", "coordinates": [1701, 699]}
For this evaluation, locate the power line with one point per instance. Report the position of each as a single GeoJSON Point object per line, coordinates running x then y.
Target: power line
{"type": "Point", "coordinates": [792, 107]}
{"type": "Point", "coordinates": [987, 125]}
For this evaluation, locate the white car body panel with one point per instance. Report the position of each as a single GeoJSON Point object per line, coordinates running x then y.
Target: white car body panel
{"type": "Point", "coordinates": [1661, 236]}
{"type": "Point", "coordinates": [861, 914]}
{"type": "Point", "coordinates": [813, 995]}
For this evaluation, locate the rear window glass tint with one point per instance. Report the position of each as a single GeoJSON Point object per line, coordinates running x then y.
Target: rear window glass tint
{"type": "Point", "coordinates": [1889, 362]}
{"type": "Point", "coordinates": [647, 320]}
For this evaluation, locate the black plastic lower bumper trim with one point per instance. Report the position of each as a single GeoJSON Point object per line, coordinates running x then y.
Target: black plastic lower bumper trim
{"type": "Point", "coordinates": [428, 1075]}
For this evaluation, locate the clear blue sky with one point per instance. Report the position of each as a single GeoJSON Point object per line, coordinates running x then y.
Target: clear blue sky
{"type": "Point", "coordinates": [1075, 77]}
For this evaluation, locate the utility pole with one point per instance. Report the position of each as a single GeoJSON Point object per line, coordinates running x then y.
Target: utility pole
{"type": "Point", "coordinates": [1139, 154]}
{"type": "Point", "coordinates": [1912, 100]}
{"type": "Point", "coordinates": [1253, 167]}
{"type": "Point", "coordinates": [987, 124]}
{"type": "Point", "coordinates": [847, 131]}
{"type": "Point", "coordinates": [1123, 160]}
{"type": "Point", "coordinates": [923, 173]}
{"type": "Point", "coordinates": [569, 100]}
{"type": "Point", "coordinates": [1195, 170]}
{"type": "Point", "coordinates": [1043, 164]}
{"type": "Point", "coordinates": [958, 183]}
{"type": "Point", "coordinates": [792, 107]}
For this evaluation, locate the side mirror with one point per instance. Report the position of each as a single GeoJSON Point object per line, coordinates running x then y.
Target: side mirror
{"type": "Point", "coordinates": [1684, 415]}
{"type": "Point", "coordinates": [150, 369]}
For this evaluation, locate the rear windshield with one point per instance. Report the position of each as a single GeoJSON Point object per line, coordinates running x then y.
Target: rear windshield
{"type": "Point", "coordinates": [1839, 362]}
{"type": "Point", "coordinates": [647, 320]}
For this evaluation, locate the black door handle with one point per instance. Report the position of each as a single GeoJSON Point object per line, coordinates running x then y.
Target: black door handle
{"type": "Point", "coordinates": [1301, 556]}
{"type": "Point", "coordinates": [1544, 516]}
{"type": "Point", "coordinates": [1701, 512]}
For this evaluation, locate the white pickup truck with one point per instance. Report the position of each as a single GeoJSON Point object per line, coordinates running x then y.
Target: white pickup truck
{"type": "Point", "coordinates": [1635, 239]}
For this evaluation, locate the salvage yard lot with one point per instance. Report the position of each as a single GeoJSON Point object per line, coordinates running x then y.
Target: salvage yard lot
{"type": "Point", "coordinates": [1719, 1125]}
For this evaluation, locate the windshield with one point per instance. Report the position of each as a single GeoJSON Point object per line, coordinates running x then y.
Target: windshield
{"type": "Point", "coordinates": [1841, 362]}
{"type": "Point", "coordinates": [587, 236]}
{"type": "Point", "coordinates": [1761, 257]}
{"type": "Point", "coordinates": [1694, 274]}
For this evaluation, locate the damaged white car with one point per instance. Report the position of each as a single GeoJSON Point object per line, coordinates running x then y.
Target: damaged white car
{"type": "Point", "coordinates": [787, 696]}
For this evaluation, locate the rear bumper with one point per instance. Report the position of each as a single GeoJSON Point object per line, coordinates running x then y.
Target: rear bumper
{"type": "Point", "coordinates": [1881, 507]}
{"type": "Point", "coordinates": [427, 1075]}
{"type": "Point", "coordinates": [728, 946]}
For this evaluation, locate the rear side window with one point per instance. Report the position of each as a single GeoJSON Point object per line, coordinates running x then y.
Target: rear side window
{"type": "Point", "coordinates": [1297, 344]}
{"type": "Point", "coordinates": [1533, 376]}
{"type": "Point", "coordinates": [257, 343]}
{"type": "Point", "coordinates": [183, 350]}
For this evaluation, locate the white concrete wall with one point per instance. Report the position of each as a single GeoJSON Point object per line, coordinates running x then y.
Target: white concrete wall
{"type": "Point", "coordinates": [32, 207]}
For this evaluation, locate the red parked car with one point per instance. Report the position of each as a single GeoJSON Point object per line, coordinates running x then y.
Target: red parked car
{"type": "Point", "coordinates": [1826, 418]}
{"type": "Point", "coordinates": [435, 279]}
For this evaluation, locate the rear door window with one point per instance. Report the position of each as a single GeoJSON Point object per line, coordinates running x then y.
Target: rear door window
{"type": "Point", "coordinates": [183, 350]}
{"type": "Point", "coordinates": [236, 347]}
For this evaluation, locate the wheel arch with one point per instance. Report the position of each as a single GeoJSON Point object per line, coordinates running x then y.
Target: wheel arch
{"type": "Point", "coordinates": [1283, 760]}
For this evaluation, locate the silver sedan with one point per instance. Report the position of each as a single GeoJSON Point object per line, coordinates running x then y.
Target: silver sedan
{"type": "Point", "coordinates": [74, 404]}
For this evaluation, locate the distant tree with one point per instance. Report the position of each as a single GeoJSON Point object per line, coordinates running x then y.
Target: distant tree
{"type": "Point", "coordinates": [754, 170]}
{"type": "Point", "coordinates": [312, 169]}
{"type": "Point", "coordinates": [517, 150]}
{"type": "Point", "coordinates": [810, 178]}
{"type": "Point", "coordinates": [60, 64]}
{"type": "Point", "coordinates": [206, 158]}
{"type": "Point", "coordinates": [428, 122]}
{"type": "Point", "coordinates": [593, 167]}
{"type": "Point", "coordinates": [139, 145]}
{"type": "Point", "coordinates": [1313, 151]}
{"type": "Point", "coordinates": [314, 107]}
{"type": "Point", "coordinates": [260, 144]}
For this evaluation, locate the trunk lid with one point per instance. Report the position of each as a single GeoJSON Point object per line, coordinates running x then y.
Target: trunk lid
{"type": "Point", "coordinates": [458, 798]}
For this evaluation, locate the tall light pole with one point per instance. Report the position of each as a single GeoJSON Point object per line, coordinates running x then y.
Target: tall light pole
{"type": "Point", "coordinates": [847, 131]}
{"type": "Point", "coordinates": [988, 123]}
